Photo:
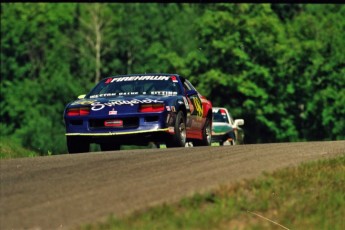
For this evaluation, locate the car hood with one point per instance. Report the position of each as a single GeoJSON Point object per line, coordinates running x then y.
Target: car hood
{"type": "Point", "coordinates": [219, 127]}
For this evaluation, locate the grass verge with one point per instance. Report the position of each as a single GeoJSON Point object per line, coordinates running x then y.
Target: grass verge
{"type": "Point", "coordinates": [9, 148]}
{"type": "Point", "coordinates": [311, 196]}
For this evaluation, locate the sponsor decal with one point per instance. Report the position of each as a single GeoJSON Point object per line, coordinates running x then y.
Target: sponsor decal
{"type": "Point", "coordinates": [112, 112]}
{"type": "Point", "coordinates": [114, 94]}
{"type": "Point", "coordinates": [198, 106]}
{"type": "Point", "coordinates": [108, 80]}
{"type": "Point", "coordinates": [167, 93]}
{"type": "Point", "coordinates": [173, 78]}
{"type": "Point", "coordinates": [83, 102]}
{"type": "Point", "coordinates": [140, 78]}
{"type": "Point", "coordinates": [128, 93]}
{"type": "Point", "coordinates": [103, 95]}
{"type": "Point", "coordinates": [96, 106]}
{"type": "Point", "coordinates": [171, 130]}
{"type": "Point", "coordinates": [197, 122]}
{"type": "Point", "coordinates": [113, 123]}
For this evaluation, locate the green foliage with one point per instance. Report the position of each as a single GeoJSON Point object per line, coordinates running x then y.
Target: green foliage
{"type": "Point", "coordinates": [268, 70]}
{"type": "Point", "coordinates": [280, 66]}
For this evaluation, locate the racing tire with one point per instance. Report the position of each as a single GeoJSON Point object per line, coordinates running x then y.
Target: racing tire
{"type": "Point", "coordinates": [232, 142]}
{"type": "Point", "coordinates": [109, 147]}
{"type": "Point", "coordinates": [179, 137]}
{"type": "Point", "coordinates": [233, 137]}
{"type": "Point", "coordinates": [227, 140]}
{"type": "Point", "coordinates": [206, 135]}
{"type": "Point", "coordinates": [77, 145]}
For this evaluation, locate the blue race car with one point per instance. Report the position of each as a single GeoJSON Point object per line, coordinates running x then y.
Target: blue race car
{"type": "Point", "coordinates": [137, 109]}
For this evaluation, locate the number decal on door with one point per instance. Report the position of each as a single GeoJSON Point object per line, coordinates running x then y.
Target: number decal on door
{"type": "Point", "coordinates": [198, 106]}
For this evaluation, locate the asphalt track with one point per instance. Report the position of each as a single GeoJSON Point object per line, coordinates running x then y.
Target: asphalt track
{"type": "Point", "coordinates": [66, 191]}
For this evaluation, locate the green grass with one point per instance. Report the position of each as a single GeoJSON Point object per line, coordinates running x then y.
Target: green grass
{"type": "Point", "coordinates": [10, 148]}
{"type": "Point", "coordinates": [311, 196]}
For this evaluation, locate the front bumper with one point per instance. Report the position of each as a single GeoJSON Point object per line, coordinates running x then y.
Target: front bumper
{"type": "Point", "coordinates": [221, 137]}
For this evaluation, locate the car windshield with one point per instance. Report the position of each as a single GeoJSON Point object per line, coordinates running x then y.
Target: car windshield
{"type": "Point", "coordinates": [136, 85]}
{"type": "Point", "coordinates": [220, 117]}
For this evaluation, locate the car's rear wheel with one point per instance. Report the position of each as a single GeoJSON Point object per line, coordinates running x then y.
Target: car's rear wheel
{"type": "Point", "coordinates": [109, 147]}
{"type": "Point", "coordinates": [206, 135]}
{"type": "Point", "coordinates": [179, 137]}
{"type": "Point", "coordinates": [77, 145]}
{"type": "Point", "coordinates": [233, 139]}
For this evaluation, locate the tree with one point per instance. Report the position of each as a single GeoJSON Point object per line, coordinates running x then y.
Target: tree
{"type": "Point", "coordinates": [320, 43]}
{"type": "Point", "coordinates": [37, 84]}
{"type": "Point", "coordinates": [95, 30]}
{"type": "Point", "coordinates": [239, 44]}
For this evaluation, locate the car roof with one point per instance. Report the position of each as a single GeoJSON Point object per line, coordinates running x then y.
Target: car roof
{"type": "Point", "coordinates": [217, 108]}
{"type": "Point", "coordinates": [146, 74]}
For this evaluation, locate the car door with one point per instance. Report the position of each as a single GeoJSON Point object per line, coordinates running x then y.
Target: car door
{"type": "Point", "coordinates": [237, 129]}
{"type": "Point", "coordinates": [196, 108]}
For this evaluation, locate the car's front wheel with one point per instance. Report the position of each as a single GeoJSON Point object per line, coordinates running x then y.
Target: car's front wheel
{"type": "Point", "coordinates": [77, 145]}
{"type": "Point", "coordinates": [179, 137]}
{"type": "Point", "coordinates": [227, 142]}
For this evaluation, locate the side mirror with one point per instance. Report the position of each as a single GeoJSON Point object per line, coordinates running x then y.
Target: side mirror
{"type": "Point", "coordinates": [191, 92]}
{"type": "Point", "coordinates": [239, 122]}
{"type": "Point", "coordinates": [81, 96]}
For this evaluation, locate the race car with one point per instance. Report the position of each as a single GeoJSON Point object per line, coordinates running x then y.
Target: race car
{"type": "Point", "coordinates": [225, 129]}
{"type": "Point", "coordinates": [138, 109]}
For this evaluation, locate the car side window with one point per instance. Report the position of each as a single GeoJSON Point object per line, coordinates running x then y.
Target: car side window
{"type": "Point", "coordinates": [189, 85]}
{"type": "Point", "coordinates": [231, 119]}
{"type": "Point", "coordinates": [185, 86]}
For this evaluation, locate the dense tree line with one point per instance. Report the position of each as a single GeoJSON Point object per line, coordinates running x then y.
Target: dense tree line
{"type": "Point", "coordinates": [280, 67]}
